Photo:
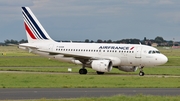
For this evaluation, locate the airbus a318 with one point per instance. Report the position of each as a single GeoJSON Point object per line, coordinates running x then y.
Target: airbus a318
{"type": "Point", "coordinates": [101, 57]}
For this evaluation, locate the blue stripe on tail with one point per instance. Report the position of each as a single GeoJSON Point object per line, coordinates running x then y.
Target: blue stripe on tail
{"type": "Point", "coordinates": [30, 24]}
{"type": "Point", "coordinates": [34, 23]}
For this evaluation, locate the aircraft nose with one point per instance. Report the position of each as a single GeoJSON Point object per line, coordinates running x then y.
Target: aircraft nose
{"type": "Point", "coordinates": [164, 59]}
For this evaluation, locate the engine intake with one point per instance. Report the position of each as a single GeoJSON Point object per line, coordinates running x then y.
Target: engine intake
{"type": "Point", "coordinates": [101, 65]}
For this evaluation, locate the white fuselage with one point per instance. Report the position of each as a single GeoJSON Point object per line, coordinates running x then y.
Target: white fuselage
{"type": "Point", "coordinates": [119, 54]}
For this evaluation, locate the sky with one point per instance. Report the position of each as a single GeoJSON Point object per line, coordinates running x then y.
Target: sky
{"type": "Point", "coordinates": [78, 20]}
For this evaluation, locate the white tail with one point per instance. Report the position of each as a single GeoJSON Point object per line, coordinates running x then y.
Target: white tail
{"type": "Point", "coordinates": [34, 30]}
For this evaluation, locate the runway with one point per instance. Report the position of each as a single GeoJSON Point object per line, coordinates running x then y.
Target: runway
{"type": "Point", "coordinates": [58, 93]}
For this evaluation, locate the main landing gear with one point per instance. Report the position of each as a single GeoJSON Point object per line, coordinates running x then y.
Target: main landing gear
{"type": "Point", "coordinates": [83, 70]}
{"type": "Point", "coordinates": [141, 73]}
{"type": "Point", "coordinates": [99, 73]}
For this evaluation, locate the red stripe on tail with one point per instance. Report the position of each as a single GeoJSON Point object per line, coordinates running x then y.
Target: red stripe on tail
{"type": "Point", "coordinates": [29, 31]}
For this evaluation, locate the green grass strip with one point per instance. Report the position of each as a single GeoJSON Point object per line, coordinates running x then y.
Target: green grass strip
{"type": "Point", "coordinates": [44, 80]}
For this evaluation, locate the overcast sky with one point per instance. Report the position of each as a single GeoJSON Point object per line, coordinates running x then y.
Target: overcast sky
{"type": "Point", "coordinates": [78, 20]}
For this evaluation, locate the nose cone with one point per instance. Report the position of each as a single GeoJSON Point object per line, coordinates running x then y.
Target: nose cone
{"type": "Point", "coordinates": [163, 59]}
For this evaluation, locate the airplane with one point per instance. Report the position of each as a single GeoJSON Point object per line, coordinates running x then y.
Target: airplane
{"type": "Point", "coordinates": [101, 57]}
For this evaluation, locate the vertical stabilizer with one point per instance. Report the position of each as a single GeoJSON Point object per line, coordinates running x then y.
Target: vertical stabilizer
{"type": "Point", "coordinates": [34, 30]}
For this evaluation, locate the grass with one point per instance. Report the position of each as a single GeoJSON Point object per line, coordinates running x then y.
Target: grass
{"type": "Point", "coordinates": [138, 97]}
{"type": "Point", "coordinates": [49, 80]}
{"type": "Point", "coordinates": [159, 70]}
{"type": "Point", "coordinates": [30, 61]}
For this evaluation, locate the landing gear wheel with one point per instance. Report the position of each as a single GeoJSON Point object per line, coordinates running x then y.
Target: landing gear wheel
{"type": "Point", "coordinates": [99, 73]}
{"type": "Point", "coordinates": [83, 71]}
{"type": "Point", "coordinates": [141, 73]}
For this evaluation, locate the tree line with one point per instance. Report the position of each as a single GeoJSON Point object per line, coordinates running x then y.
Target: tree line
{"type": "Point", "coordinates": [15, 42]}
{"type": "Point", "coordinates": [159, 40]}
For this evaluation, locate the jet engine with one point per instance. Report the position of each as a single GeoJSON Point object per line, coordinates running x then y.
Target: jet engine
{"type": "Point", "coordinates": [101, 65]}
{"type": "Point", "coordinates": [127, 68]}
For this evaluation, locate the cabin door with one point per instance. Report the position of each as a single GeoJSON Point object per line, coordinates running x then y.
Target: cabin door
{"type": "Point", "coordinates": [138, 52]}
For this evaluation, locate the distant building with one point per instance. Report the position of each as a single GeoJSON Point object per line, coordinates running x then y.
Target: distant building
{"type": "Point", "coordinates": [176, 47]}
{"type": "Point", "coordinates": [154, 44]}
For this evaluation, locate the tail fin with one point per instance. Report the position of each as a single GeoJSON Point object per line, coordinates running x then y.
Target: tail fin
{"type": "Point", "coordinates": [34, 30]}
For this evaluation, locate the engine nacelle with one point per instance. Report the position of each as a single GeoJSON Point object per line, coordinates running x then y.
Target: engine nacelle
{"type": "Point", "coordinates": [101, 65]}
{"type": "Point", "coordinates": [127, 68]}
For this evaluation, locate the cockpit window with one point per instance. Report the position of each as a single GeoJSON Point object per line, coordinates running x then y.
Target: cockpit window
{"type": "Point", "coordinates": [150, 52]}
{"type": "Point", "coordinates": [154, 52]}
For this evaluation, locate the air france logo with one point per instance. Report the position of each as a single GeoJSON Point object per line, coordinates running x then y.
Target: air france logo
{"type": "Point", "coordinates": [131, 48]}
{"type": "Point", "coordinates": [116, 47]}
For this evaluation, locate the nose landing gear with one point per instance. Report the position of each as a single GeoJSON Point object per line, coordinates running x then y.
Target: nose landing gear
{"type": "Point", "coordinates": [141, 73]}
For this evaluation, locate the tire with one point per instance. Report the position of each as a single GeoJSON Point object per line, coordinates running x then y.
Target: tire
{"type": "Point", "coordinates": [99, 73]}
{"type": "Point", "coordinates": [141, 73]}
{"type": "Point", "coordinates": [83, 71]}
